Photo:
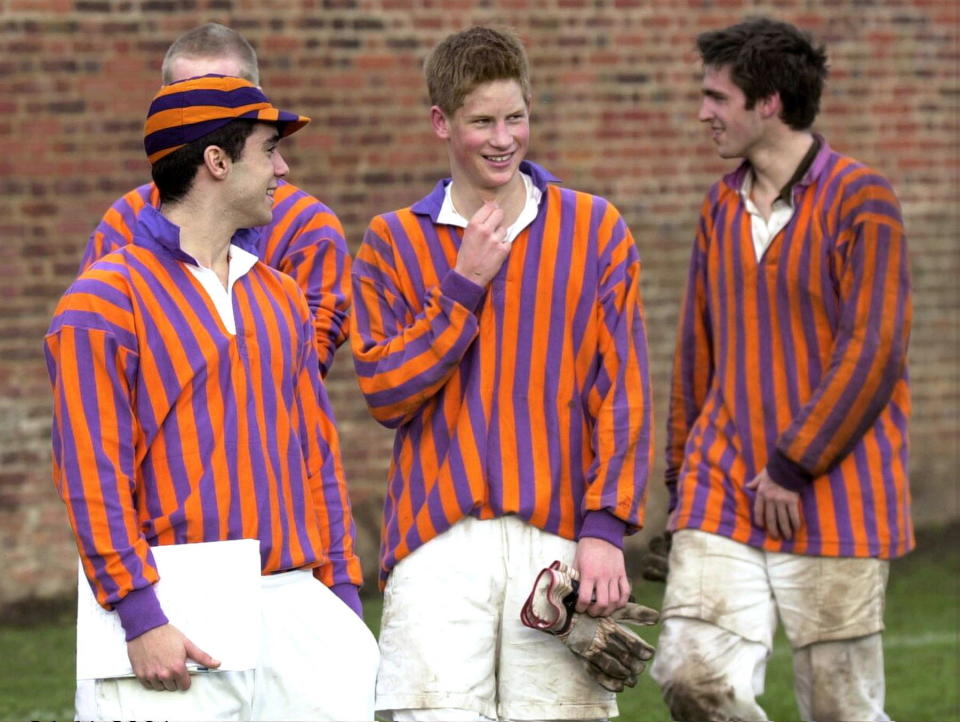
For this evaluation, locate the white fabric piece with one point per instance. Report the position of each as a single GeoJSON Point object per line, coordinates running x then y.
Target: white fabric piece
{"type": "Point", "coordinates": [451, 635]}
{"type": "Point", "coordinates": [240, 262]}
{"type": "Point", "coordinates": [764, 230]}
{"type": "Point", "coordinates": [451, 216]}
{"type": "Point", "coordinates": [318, 661]}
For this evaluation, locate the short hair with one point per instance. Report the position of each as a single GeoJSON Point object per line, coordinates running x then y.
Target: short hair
{"type": "Point", "coordinates": [174, 174]}
{"type": "Point", "coordinates": [213, 40]}
{"type": "Point", "coordinates": [478, 55]}
{"type": "Point", "coordinates": [767, 56]}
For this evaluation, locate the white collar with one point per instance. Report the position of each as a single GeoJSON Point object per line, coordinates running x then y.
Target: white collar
{"type": "Point", "coordinates": [450, 216]}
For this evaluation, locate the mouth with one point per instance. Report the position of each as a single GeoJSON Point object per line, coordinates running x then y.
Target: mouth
{"type": "Point", "coordinates": [502, 159]}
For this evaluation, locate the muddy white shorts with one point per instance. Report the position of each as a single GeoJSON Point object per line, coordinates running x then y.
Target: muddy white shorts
{"type": "Point", "coordinates": [451, 636]}
{"type": "Point", "coordinates": [318, 661]}
{"type": "Point", "coordinates": [720, 612]}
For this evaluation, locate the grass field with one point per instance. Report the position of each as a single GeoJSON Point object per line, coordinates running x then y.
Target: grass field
{"type": "Point", "coordinates": [922, 648]}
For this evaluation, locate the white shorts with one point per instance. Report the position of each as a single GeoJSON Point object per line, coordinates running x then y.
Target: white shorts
{"type": "Point", "coordinates": [451, 635]}
{"type": "Point", "coordinates": [720, 613]}
{"type": "Point", "coordinates": [318, 661]}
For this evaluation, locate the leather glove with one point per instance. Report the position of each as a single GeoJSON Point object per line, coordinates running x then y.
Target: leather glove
{"type": "Point", "coordinates": [613, 654]}
{"type": "Point", "coordinates": [655, 563]}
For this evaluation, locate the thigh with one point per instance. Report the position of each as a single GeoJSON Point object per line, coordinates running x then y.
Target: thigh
{"type": "Point", "coordinates": [318, 659]}
{"type": "Point", "coordinates": [825, 598]}
{"type": "Point", "coordinates": [212, 696]}
{"type": "Point", "coordinates": [720, 581]}
{"type": "Point", "coordinates": [441, 615]}
{"type": "Point", "coordinates": [539, 678]}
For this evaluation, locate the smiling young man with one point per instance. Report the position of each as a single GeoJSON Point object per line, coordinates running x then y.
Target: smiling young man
{"type": "Point", "coordinates": [303, 237]}
{"type": "Point", "coordinates": [188, 408]}
{"type": "Point", "coordinates": [787, 436]}
{"type": "Point", "coordinates": [499, 330]}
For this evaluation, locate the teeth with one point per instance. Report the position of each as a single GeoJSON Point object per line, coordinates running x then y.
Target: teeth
{"type": "Point", "coordinates": [498, 158]}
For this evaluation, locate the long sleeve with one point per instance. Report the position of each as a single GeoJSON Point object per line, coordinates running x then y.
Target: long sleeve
{"type": "Point", "coordinates": [870, 345]}
{"type": "Point", "coordinates": [619, 398]}
{"type": "Point", "coordinates": [692, 360]}
{"type": "Point", "coordinates": [306, 241]}
{"type": "Point", "coordinates": [92, 360]}
{"type": "Point", "coordinates": [403, 355]}
{"type": "Point", "coordinates": [328, 487]}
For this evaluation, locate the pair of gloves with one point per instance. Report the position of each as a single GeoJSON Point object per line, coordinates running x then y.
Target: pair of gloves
{"type": "Point", "coordinates": [614, 655]}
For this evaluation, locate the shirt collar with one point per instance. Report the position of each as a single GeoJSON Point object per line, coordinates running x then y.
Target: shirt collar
{"type": "Point", "coordinates": [810, 167]}
{"type": "Point", "coordinates": [432, 203]}
{"type": "Point", "coordinates": [156, 232]}
{"type": "Point", "coordinates": [450, 216]}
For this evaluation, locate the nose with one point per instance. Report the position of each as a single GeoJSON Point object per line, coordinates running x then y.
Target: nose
{"type": "Point", "coordinates": [280, 167]}
{"type": "Point", "coordinates": [705, 113]}
{"type": "Point", "coordinates": [501, 137]}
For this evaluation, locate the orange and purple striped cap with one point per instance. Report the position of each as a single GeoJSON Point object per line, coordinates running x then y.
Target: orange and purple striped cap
{"type": "Point", "coordinates": [188, 110]}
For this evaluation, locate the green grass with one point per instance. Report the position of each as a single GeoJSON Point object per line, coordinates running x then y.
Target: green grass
{"type": "Point", "coordinates": [922, 647]}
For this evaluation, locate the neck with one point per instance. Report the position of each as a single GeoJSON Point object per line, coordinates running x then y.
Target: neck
{"type": "Point", "coordinates": [774, 163]}
{"type": "Point", "coordinates": [203, 233]}
{"type": "Point", "coordinates": [510, 197]}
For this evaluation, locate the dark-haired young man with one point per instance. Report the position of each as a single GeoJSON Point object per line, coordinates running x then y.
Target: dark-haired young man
{"type": "Point", "coordinates": [303, 237]}
{"type": "Point", "coordinates": [188, 408]}
{"type": "Point", "coordinates": [787, 436]}
{"type": "Point", "coordinates": [498, 327]}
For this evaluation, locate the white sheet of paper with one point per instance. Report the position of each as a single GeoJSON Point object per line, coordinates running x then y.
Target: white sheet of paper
{"type": "Point", "coordinates": [210, 591]}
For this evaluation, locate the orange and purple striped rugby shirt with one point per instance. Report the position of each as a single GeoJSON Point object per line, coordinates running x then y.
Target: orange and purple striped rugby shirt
{"type": "Point", "coordinates": [304, 240]}
{"type": "Point", "coordinates": [530, 397]}
{"type": "Point", "coordinates": [168, 429]}
{"type": "Point", "coordinates": [797, 363]}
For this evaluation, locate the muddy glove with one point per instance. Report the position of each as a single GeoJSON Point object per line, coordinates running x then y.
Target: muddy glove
{"type": "Point", "coordinates": [654, 564]}
{"type": "Point", "coordinates": [613, 654]}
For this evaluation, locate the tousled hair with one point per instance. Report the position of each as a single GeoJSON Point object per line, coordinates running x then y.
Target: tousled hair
{"type": "Point", "coordinates": [467, 59]}
{"type": "Point", "coordinates": [213, 40]}
{"type": "Point", "coordinates": [767, 56]}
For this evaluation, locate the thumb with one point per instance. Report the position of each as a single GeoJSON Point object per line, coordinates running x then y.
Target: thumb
{"type": "Point", "coordinates": [198, 655]}
{"type": "Point", "coordinates": [634, 613]}
{"type": "Point", "coordinates": [753, 483]}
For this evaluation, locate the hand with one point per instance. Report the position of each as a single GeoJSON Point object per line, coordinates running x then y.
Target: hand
{"type": "Point", "coordinates": [604, 586]}
{"type": "Point", "coordinates": [159, 658]}
{"type": "Point", "coordinates": [775, 509]}
{"type": "Point", "coordinates": [484, 247]}
{"type": "Point", "coordinates": [655, 563]}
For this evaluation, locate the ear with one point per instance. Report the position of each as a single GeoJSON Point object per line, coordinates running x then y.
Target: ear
{"type": "Point", "coordinates": [216, 161]}
{"type": "Point", "coordinates": [770, 106]}
{"type": "Point", "coordinates": [440, 123]}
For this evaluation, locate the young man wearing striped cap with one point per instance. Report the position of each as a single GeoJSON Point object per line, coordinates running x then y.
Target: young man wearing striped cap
{"type": "Point", "coordinates": [787, 437]}
{"type": "Point", "coordinates": [188, 408]}
{"type": "Point", "coordinates": [303, 238]}
{"type": "Point", "coordinates": [498, 327]}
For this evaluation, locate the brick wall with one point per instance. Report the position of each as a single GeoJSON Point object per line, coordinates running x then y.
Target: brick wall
{"type": "Point", "coordinates": [616, 93]}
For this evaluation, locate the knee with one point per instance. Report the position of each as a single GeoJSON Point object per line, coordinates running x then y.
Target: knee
{"type": "Point", "coordinates": [695, 693]}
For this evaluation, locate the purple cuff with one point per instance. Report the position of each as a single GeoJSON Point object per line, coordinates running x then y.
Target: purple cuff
{"type": "Point", "coordinates": [604, 525]}
{"type": "Point", "coordinates": [787, 473]}
{"type": "Point", "coordinates": [462, 290]}
{"type": "Point", "coordinates": [140, 612]}
{"type": "Point", "coordinates": [349, 594]}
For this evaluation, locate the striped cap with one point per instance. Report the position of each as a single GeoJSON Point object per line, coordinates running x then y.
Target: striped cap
{"type": "Point", "coordinates": [188, 110]}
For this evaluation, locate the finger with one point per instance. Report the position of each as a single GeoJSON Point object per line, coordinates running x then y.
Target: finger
{"type": "Point", "coordinates": [795, 516]}
{"type": "Point", "coordinates": [601, 604]}
{"type": "Point", "coordinates": [770, 510]}
{"type": "Point", "coordinates": [753, 483]}
{"type": "Point", "coordinates": [758, 512]}
{"type": "Point", "coordinates": [783, 519]}
{"type": "Point", "coordinates": [624, 597]}
{"type": "Point", "coordinates": [585, 597]}
{"type": "Point", "coordinates": [483, 213]}
{"type": "Point", "coordinates": [199, 656]}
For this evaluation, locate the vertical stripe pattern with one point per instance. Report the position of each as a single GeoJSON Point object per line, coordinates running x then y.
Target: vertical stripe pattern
{"type": "Point", "coordinates": [304, 240]}
{"type": "Point", "coordinates": [530, 397]}
{"type": "Point", "coordinates": [797, 363]}
{"type": "Point", "coordinates": [168, 429]}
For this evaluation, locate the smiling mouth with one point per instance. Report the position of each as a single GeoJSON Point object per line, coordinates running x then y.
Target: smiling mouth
{"type": "Point", "coordinates": [499, 158]}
